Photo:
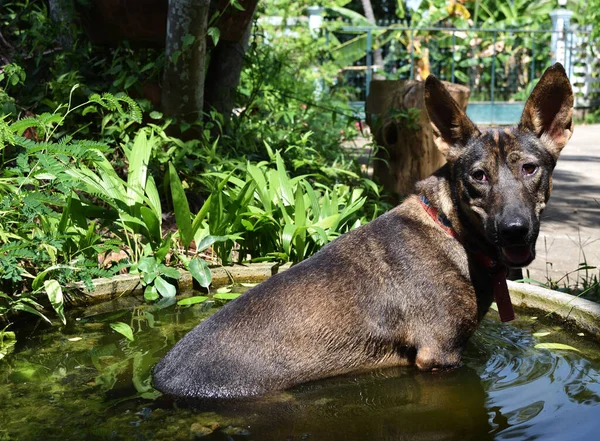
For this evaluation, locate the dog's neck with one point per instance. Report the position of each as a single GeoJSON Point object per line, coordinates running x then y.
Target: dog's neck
{"type": "Point", "coordinates": [439, 203]}
{"type": "Point", "coordinates": [437, 190]}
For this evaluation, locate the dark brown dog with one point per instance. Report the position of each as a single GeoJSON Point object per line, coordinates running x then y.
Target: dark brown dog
{"type": "Point", "coordinates": [409, 287]}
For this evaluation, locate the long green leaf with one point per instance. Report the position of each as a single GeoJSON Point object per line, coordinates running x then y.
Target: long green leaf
{"type": "Point", "coordinates": [55, 295]}
{"type": "Point", "coordinates": [138, 167]}
{"type": "Point", "coordinates": [66, 214]}
{"type": "Point", "coordinates": [152, 223]}
{"type": "Point", "coordinates": [192, 300]}
{"type": "Point", "coordinates": [165, 288]}
{"type": "Point", "coordinates": [285, 188]}
{"type": "Point", "coordinates": [314, 200]}
{"type": "Point", "coordinates": [197, 223]}
{"type": "Point", "coordinates": [328, 222]}
{"type": "Point", "coordinates": [134, 221]}
{"type": "Point", "coordinates": [300, 221]}
{"type": "Point", "coordinates": [91, 180]}
{"type": "Point", "coordinates": [124, 329]}
{"type": "Point", "coordinates": [356, 18]}
{"type": "Point", "coordinates": [287, 238]}
{"type": "Point", "coordinates": [164, 248]}
{"type": "Point", "coordinates": [299, 208]}
{"type": "Point", "coordinates": [227, 296]}
{"type": "Point", "coordinates": [181, 207]}
{"type": "Point", "coordinates": [354, 49]}
{"type": "Point", "coordinates": [210, 203]}
{"type": "Point", "coordinates": [37, 282]}
{"type": "Point", "coordinates": [319, 235]}
{"type": "Point", "coordinates": [286, 216]}
{"type": "Point", "coordinates": [200, 271]}
{"type": "Point", "coordinates": [209, 240]}
{"type": "Point", "coordinates": [29, 309]}
{"type": "Point", "coordinates": [555, 346]}
{"type": "Point", "coordinates": [153, 197]}
{"type": "Point", "coordinates": [261, 185]}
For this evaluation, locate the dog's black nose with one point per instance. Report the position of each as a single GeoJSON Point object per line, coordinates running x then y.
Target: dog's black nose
{"type": "Point", "coordinates": [513, 231]}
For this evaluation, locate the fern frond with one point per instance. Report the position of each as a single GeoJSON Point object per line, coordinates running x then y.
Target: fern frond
{"type": "Point", "coordinates": [65, 140]}
{"type": "Point", "coordinates": [135, 112]}
{"type": "Point", "coordinates": [19, 127]}
{"type": "Point", "coordinates": [6, 134]}
{"type": "Point", "coordinates": [38, 198]}
{"type": "Point", "coordinates": [12, 247]}
{"type": "Point", "coordinates": [34, 147]}
{"type": "Point", "coordinates": [89, 149]}
{"type": "Point", "coordinates": [113, 103]}
{"type": "Point", "coordinates": [49, 119]}
{"type": "Point", "coordinates": [26, 143]}
{"type": "Point", "coordinates": [49, 164]}
{"type": "Point", "coordinates": [108, 101]}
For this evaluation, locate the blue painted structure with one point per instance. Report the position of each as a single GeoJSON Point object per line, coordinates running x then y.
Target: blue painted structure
{"type": "Point", "coordinates": [495, 113]}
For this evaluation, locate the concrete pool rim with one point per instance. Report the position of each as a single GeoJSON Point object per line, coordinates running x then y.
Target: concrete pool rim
{"type": "Point", "coordinates": [580, 313]}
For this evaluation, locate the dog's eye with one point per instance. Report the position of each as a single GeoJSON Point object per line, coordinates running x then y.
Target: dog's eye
{"type": "Point", "coordinates": [529, 169]}
{"type": "Point", "coordinates": [480, 176]}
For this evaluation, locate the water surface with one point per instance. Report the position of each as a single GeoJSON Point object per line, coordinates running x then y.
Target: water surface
{"type": "Point", "coordinates": [86, 382]}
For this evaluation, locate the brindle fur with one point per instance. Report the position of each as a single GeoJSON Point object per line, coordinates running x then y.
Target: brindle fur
{"type": "Point", "coordinates": [399, 290]}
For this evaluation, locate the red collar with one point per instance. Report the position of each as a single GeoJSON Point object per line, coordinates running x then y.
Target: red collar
{"type": "Point", "coordinates": [497, 270]}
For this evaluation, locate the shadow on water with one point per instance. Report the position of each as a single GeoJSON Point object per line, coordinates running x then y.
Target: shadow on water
{"type": "Point", "coordinates": [85, 382]}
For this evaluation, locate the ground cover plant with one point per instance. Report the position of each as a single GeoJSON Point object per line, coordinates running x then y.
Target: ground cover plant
{"type": "Point", "coordinates": [96, 181]}
{"type": "Point", "coordinates": [582, 281]}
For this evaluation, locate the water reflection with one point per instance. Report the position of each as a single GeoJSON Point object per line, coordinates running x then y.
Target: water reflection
{"type": "Point", "coordinates": [90, 383]}
{"type": "Point", "coordinates": [396, 404]}
{"type": "Point", "coordinates": [536, 394]}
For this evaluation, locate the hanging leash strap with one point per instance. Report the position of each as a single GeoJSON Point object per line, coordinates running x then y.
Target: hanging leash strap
{"type": "Point", "coordinates": [497, 270]}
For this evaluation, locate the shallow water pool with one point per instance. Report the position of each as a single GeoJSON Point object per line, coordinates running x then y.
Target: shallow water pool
{"type": "Point", "coordinates": [86, 382]}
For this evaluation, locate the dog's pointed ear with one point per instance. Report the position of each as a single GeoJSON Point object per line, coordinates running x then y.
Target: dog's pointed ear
{"type": "Point", "coordinates": [548, 112]}
{"type": "Point", "coordinates": [452, 128]}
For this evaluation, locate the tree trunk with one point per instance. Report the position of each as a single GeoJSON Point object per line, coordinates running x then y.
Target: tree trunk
{"type": "Point", "coordinates": [410, 153]}
{"type": "Point", "coordinates": [185, 52]}
{"type": "Point", "coordinates": [377, 57]}
{"type": "Point", "coordinates": [227, 59]}
{"type": "Point", "coordinates": [62, 13]}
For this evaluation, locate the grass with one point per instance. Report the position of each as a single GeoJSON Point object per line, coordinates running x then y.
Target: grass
{"type": "Point", "coordinates": [583, 281]}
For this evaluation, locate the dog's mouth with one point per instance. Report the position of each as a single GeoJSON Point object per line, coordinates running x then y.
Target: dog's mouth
{"type": "Point", "coordinates": [519, 255]}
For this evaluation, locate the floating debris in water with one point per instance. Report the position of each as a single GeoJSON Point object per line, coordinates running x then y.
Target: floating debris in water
{"type": "Point", "coordinates": [144, 413]}
{"type": "Point", "coordinates": [556, 346]}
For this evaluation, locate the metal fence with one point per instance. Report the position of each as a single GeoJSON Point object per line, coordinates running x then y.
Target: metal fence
{"type": "Point", "coordinates": [500, 66]}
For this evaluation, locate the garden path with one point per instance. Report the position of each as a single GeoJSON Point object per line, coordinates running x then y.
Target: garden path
{"type": "Point", "coordinates": [570, 232]}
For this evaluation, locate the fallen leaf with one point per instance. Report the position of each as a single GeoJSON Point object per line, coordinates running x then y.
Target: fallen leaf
{"type": "Point", "coordinates": [556, 346]}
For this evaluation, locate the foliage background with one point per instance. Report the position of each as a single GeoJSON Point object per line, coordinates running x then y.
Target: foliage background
{"type": "Point", "coordinates": [94, 180]}
{"type": "Point", "coordinates": [94, 183]}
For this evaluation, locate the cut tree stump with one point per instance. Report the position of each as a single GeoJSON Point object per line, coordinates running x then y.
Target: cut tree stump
{"type": "Point", "coordinates": [409, 153]}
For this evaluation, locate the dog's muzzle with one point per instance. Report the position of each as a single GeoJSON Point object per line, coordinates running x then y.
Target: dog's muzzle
{"type": "Point", "coordinates": [515, 240]}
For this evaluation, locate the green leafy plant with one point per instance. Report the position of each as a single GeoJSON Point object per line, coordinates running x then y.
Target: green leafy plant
{"type": "Point", "coordinates": [279, 217]}
{"type": "Point", "coordinates": [124, 329]}
{"type": "Point", "coordinates": [7, 342]}
{"type": "Point", "coordinates": [77, 183]}
{"type": "Point", "coordinates": [134, 203]}
{"type": "Point", "coordinates": [154, 277]}
{"type": "Point", "coordinates": [46, 240]}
